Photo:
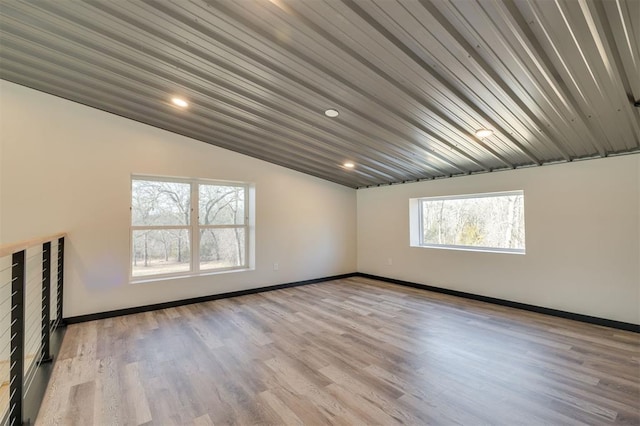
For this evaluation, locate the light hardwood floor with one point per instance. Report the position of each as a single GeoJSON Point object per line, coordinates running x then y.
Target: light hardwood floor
{"type": "Point", "coordinates": [4, 398]}
{"type": "Point", "coordinates": [4, 387]}
{"type": "Point", "coordinates": [352, 351]}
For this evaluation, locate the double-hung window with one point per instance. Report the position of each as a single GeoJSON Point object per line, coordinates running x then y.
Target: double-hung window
{"type": "Point", "coordinates": [187, 226]}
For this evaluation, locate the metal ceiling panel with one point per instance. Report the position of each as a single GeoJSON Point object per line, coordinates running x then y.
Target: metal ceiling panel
{"type": "Point", "coordinates": [413, 79]}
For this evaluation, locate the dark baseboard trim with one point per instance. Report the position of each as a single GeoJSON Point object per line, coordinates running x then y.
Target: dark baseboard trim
{"type": "Point", "coordinates": [175, 303]}
{"type": "Point", "coordinates": [532, 308]}
{"type": "Point", "coordinates": [539, 309]}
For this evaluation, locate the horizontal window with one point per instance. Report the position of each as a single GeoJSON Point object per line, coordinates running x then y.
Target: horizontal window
{"type": "Point", "coordinates": [187, 226]}
{"type": "Point", "coordinates": [479, 222]}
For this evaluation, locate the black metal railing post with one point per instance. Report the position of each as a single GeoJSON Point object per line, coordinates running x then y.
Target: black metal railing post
{"type": "Point", "coordinates": [59, 292]}
{"type": "Point", "coordinates": [16, 359]}
{"type": "Point", "coordinates": [45, 354]}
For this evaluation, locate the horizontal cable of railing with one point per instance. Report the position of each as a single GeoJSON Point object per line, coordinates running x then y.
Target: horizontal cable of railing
{"type": "Point", "coordinates": [31, 295]}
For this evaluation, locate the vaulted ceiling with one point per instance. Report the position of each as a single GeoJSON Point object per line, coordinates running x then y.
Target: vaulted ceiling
{"type": "Point", "coordinates": [412, 80]}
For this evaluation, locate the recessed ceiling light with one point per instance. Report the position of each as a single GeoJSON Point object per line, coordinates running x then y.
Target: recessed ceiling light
{"type": "Point", "coordinates": [349, 165]}
{"type": "Point", "coordinates": [484, 133]}
{"type": "Point", "coordinates": [332, 113]}
{"type": "Point", "coordinates": [180, 102]}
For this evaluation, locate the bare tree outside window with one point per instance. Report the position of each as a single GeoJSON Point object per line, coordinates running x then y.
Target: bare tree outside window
{"type": "Point", "coordinates": [222, 219]}
{"type": "Point", "coordinates": [488, 221]}
{"type": "Point", "coordinates": [186, 226]}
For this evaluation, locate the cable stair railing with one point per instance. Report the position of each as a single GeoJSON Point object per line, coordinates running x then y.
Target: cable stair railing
{"type": "Point", "coordinates": [31, 296]}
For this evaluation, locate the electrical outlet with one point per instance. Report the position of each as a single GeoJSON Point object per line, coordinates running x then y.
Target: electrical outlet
{"type": "Point", "coordinates": [389, 261]}
{"type": "Point", "coordinates": [276, 266]}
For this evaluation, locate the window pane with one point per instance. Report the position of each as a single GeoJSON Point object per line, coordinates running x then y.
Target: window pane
{"type": "Point", "coordinates": [160, 203]}
{"type": "Point", "coordinates": [495, 221]}
{"type": "Point", "coordinates": [221, 248]}
{"type": "Point", "coordinates": [221, 205]}
{"type": "Point", "coordinates": [162, 251]}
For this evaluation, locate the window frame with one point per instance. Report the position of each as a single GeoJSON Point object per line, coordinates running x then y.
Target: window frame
{"type": "Point", "coordinates": [417, 223]}
{"type": "Point", "coordinates": [193, 229]}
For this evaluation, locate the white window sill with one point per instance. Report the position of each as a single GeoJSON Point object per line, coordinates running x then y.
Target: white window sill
{"type": "Point", "coordinates": [469, 248]}
{"type": "Point", "coordinates": [152, 279]}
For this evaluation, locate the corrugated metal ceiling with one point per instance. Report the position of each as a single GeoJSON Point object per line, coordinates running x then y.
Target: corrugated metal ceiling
{"type": "Point", "coordinates": [413, 80]}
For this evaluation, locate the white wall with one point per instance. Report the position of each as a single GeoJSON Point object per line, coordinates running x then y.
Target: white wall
{"type": "Point", "coordinates": [2, 114]}
{"type": "Point", "coordinates": [67, 167]}
{"type": "Point", "coordinates": [582, 238]}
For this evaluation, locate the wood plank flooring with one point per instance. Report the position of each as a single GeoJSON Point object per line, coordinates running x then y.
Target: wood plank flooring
{"type": "Point", "coordinates": [4, 387]}
{"type": "Point", "coordinates": [352, 351]}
